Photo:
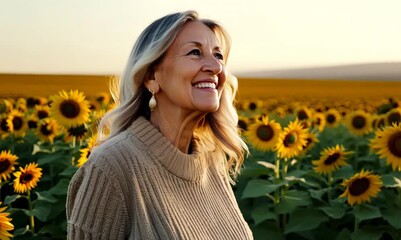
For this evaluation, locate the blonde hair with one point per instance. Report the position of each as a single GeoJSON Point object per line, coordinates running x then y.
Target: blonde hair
{"type": "Point", "coordinates": [132, 97]}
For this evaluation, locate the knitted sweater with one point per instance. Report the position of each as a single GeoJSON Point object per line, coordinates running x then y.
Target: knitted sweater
{"type": "Point", "coordinates": [137, 185]}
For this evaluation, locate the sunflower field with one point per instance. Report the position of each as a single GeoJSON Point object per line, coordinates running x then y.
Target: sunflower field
{"type": "Point", "coordinates": [317, 169]}
{"type": "Point", "coordinates": [321, 169]}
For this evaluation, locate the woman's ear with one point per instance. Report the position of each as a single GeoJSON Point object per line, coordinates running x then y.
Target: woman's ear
{"type": "Point", "coordinates": [152, 85]}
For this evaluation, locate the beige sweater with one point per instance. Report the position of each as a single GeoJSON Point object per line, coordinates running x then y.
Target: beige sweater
{"type": "Point", "coordinates": [137, 185]}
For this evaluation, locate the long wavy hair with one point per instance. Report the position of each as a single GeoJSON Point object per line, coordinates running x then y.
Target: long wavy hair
{"type": "Point", "coordinates": [218, 128]}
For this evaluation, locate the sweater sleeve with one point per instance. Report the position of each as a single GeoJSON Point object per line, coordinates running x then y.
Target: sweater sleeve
{"type": "Point", "coordinates": [95, 206]}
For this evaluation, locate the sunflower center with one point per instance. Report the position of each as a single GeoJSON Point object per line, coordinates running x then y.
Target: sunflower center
{"type": "Point", "coordinates": [44, 130]}
{"type": "Point", "coordinates": [70, 109]}
{"type": "Point", "coordinates": [358, 122]}
{"type": "Point", "coordinates": [4, 164]}
{"type": "Point", "coordinates": [4, 125]}
{"type": "Point", "coordinates": [32, 124]}
{"type": "Point", "coordinates": [252, 106]}
{"type": "Point", "coordinates": [394, 117]}
{"type": "Point", "coordinates": [17, 123]}
{"type": "Point", "coordinates": [290, 139]}
{"type": "Point", "coordinates": [265, 132]}
{"type": "Point", "coordinates": [100, 99]}
{"type": "Point", "coordinates": [359, 186]}
{"type": "Point", "coordinates": [331, 118]}
{"type": "Point", "coordinates": [242, 125]}
{"type": "Point", "coordinates": [77, 131]}
{"type": "Point", "coordinates": [42, 114]}
{"type": "Point", "coordinates": [302, 115]}
{"type": "Point", "coordinates": [331, 159]}
{"type": "Point", "coordinates": [25, 177]}
{"type": "Point", "coordinates": [394, 144]}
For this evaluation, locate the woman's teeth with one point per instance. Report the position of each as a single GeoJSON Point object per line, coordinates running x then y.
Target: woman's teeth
{"type": "Point", "coordinates": [205, 85]}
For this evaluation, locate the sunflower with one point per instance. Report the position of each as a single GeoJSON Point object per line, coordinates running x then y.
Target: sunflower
{"type": "Point", "coordinates": [7, 162]}
{"type": "Point", "coordinates": [70, 109]}
{"type": "Point", "coordinates": [264, 133]}
{"type": "Point", "coordinates": [292, 140]}
{"type": "Point", "coordinates": [310, 142]}
{"type": "Point", "coordinates": [32, 121]}
{"type": "Point", "coordinates": [243, 123]}
{"type": "Point", "coordinates": [85, 152]}
{"type": "Point", "coordinates": [331, 158]}
{"type": "Point", "coordinates": [5, 224]}
{"type": "Point", "coordinates": [48, 129]}
{"type": "Point", "coordinates": [252, 105]}
{"type": "Point", "coordinates": [361, 187]}
{"type": "Point", "coordinates": [102, 98]}
{"type": "Point", "coordinates": [79, 133]}
{"type": "Point", "coordinates": [20, 105]}
{"type": "Point", "coordinates": [359, 122]}
{"type": "Point", "coordinates": [17, 123]}
{"type": "Point", "coordinates": [27, 178]}
{"type": "Point", "coordinates": [42, 111]}
{"type": "Point", "coordinates": [318, 121]}
{"type": "Point", "coordinates": [387, 143]}
{"type": "Point", "coordinates": [6, 106]}
{"type": "Point", "coordinates": [303, 113]}
{"type": "Point", "coordinates": [393, 116]}
{"type": "Point", "coordinates": [4, 129]}
{"type": "Point", "coordinates": [333, 117]}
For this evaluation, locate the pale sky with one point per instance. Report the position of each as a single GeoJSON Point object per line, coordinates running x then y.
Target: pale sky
{"type": "Point", "coordinates": [96, 36]}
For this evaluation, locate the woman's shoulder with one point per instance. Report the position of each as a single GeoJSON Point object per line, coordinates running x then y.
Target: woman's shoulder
{"type": "Point", "coordinates": [116, 152]}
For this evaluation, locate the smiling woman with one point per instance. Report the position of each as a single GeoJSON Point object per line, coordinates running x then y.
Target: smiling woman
{"type": "Point", "coordinates": [164, 169]}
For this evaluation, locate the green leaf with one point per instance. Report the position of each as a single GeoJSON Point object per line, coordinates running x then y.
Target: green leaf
{"type": "Point", "coordinates": [61, 188]}
{"type": "Point", "coordinates": [297, 173]}
{"type": "Point", "coordinates": [46, 196]}
{"type": "Point", "coordinates": [365, 212]}
{"type": "Point", "coordinates": [258, 188]}
{"type": "Point", "coordinates": [10, 199]}
{"type": "Point", "coordinates": [392, 216]}
{"type": "Point", "coordinates": [266, 164]}
{"type": "Point", "coordinates": [292, 200]}
{"type": "Point", "coordinates": [344, 172]}
{"type": "Point", "coordinates": [389, 180]}
{"type": "Point", "coordinates": [345, 234]}
{"type": "Point", "coordinates": [41, 210]}
{"type": "Point", "coordinates": [52, 157]}
{"type": "Point", "coordinates": [21, 231]}
{"type": "Point", "coordinates": [262, 213]}
{"type": "Point", "coordinates": [68, 171]}
{"type": "Point", "coordinates": [318, 194]}
{"type": "Point", "coordinates": [332, 212]}
{"type": "Point", "coordinates": [367, 234]}
{"type": "Point", "coordinates": [304, 220]}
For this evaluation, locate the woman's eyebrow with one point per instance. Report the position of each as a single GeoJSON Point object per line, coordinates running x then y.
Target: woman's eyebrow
{"type": "Point", "coordinates": [199, 44]}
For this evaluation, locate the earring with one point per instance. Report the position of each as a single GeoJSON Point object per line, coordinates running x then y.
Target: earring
{"type": "Point", "coordinates": [152, 101]}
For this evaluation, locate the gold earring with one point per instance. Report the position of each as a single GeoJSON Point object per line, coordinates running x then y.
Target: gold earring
{"type": "Point", "coordinates": [152, 101]}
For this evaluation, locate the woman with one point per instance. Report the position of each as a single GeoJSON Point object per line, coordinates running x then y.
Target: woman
{"type": "Point", "coordinates": [163, 171]}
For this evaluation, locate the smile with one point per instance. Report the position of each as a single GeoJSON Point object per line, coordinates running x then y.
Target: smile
{"type": "Point", "coordinates": [205, 85]}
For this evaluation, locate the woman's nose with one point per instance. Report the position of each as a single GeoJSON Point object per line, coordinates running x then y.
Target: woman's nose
{"type": "Point", "coordinates": [212, 64]}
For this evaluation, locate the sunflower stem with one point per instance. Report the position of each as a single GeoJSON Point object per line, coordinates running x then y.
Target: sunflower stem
{"type": "Point", "coordinates": [329, 184]}
{"type": "Point", "coordinates": [32, 218]}
{"type": "Point", "coordinates": [356, 224]}
{"type": "Point", "coordinates": [355, 163]}
{"type": "Point", "coordinates": [277, 191]}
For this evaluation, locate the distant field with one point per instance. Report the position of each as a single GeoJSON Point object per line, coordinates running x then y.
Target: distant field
{"type": "Point", "coordinates": [13, 85]}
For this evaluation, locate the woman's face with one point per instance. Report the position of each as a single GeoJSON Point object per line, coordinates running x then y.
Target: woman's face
{"type": "Point", "coordinates": [192, 73]}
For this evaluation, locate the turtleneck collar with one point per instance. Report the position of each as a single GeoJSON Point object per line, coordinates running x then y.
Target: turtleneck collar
{"type": "Point", "coordinates": [190, 167]}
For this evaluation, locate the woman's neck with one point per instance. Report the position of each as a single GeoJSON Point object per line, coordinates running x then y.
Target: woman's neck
{"type": "Point", "coordinates": [177, 128]}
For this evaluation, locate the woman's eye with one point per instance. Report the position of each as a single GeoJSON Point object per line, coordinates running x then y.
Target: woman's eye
{"type": "Point", "coordinates": [219, 56]}
{"type": "Point", "coordinates": [195, 52]}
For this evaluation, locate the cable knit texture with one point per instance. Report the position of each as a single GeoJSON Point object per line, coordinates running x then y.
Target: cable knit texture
{"type": "Point", "coordinates": [137, 185]}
